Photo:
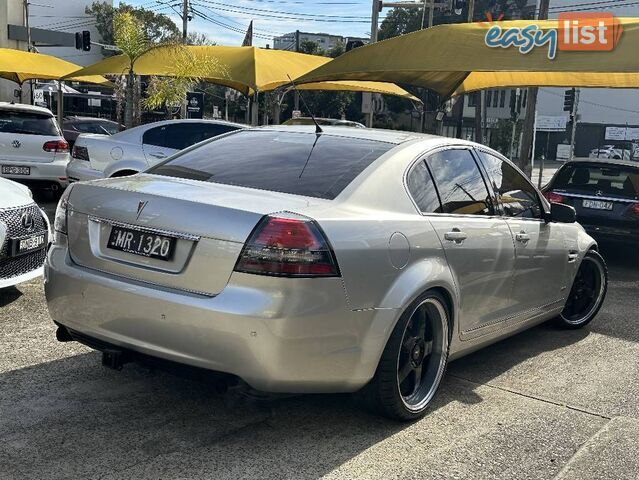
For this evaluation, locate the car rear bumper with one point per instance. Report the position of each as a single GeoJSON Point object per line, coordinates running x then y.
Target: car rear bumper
{"type": "Point", "coordinates": [80, 170]}
{"type": "Point", "coordinates": [51, 172]}
{"type": "Point", "coordinates": [278, 335]}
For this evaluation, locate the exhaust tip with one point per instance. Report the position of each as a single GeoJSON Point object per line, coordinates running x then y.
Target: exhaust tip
{"type": "Point", "coordinates": [63, 335]}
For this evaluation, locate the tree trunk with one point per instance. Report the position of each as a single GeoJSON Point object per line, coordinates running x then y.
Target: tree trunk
{"type": "Point", "coordinates": [128, 104]}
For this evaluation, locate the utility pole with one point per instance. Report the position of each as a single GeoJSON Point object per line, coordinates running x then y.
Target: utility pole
{"type": "Point", "coordinates": [574, 114]}
{"type": "Point", "coordinates": [296, 95]}
{"type": "Point", "coordinates": [525, 161]}
{"type": "Point", "coordinates": [185, 20]}
{"type": "Point", "coordinates": [26, 24]}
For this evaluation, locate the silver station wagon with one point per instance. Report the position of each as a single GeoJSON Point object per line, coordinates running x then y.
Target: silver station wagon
{"type": "Point", "coordinates": [289, 260]}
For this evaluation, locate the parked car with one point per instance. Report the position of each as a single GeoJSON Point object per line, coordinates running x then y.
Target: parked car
{"type": "Point", "coordinates": [32, 149]}
{"type": "Point", "coordinates": [611, 151]}
{"type": "Point", "coordinates": [138, 148]}
{"type": "Point", "coordinates": [24, 235]}
{"type": "Point", "coordinates": [604, 193]}
{"type": "Point", "coordinates": [323, 121]}
{"type": "Point", "coordinates": [353, 259]}
{"type": "Point", "coordinates": [75, 126]}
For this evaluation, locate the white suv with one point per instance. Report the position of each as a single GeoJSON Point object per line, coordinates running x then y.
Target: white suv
{"type": "Point", "coordinates": [32, 148]}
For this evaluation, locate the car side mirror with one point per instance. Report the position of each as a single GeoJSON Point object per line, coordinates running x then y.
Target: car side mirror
{"type": "Point", "coordinates": [562, 213]}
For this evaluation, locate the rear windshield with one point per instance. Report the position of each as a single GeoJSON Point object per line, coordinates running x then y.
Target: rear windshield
{"type": "Point", "coordinates": [30, 123]}
{"type": "Point", "coordinates": [290, 162]}
{"type": "Point", "coordinates": [610, 180]}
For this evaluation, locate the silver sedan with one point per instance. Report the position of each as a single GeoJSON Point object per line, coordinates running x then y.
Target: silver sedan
{"type": "Point", "coordinates": [341, 261]}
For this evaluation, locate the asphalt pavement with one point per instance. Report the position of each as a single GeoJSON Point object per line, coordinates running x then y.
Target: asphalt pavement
{"type": "Point", "coordinates": [544, 404]}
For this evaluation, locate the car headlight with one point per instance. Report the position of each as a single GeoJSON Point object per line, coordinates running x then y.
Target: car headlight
{"type": "Point", "coordinates": [60, 219]}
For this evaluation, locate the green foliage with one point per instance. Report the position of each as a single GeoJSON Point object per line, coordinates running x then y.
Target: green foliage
{"type": "Point", "coordinates": [502, 135]}
{"type": "Point", "coordinates": [156, 27]}
{"type": "Point", "coordinates": [311, 48]}
{"type": "Point", "coordinates": [129, 37]}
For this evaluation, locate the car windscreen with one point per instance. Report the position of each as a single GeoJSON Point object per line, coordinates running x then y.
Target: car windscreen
{"type": "Point", "coordinates": [29, 123]}
{"type": "Point", "coordinates": [289, 162]}
{"type": "Point", "coordinates": [608, 180]}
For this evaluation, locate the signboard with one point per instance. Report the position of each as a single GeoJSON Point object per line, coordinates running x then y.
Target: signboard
{"type": "Point", "coordinates": [563, 151]}
{"type": "Point", "coordinates": [547, 123]}
{"type": "Point", "coordinates": [195, 105]}
{"type": "Point", "coordinates": [367, 102]}
{"type": "Point", "coordinates": [296, 114]}
{"type": "Point", "coordinates": [38, 97]}
{"type": "Point", "coordinates": [216, 111]}
{"type": "Point", "coordinates": [94, 102]}
{"type": "Point", "coordinates": [622, 133]}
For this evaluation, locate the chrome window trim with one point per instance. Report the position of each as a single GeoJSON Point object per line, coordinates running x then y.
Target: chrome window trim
{"type": "Point", "coordinates": [595, 197]}
{"type": "Point", "coordinates": [158, 231]}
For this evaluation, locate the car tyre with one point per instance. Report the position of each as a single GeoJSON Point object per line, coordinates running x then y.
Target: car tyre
{"type": "Point", "coordinates": [587, 293]}
{"type": "Point", "coordinates": [413, 362]}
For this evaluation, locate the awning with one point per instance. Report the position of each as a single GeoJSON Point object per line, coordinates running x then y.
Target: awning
{"type": "Point", "coordinates": [246, 69]}
{"type": "Point", "coordinates": [443, 57]}
{"type": "Point", "coordinates": [20, 66]}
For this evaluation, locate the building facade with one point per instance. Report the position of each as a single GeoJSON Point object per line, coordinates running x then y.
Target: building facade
{"type": "Point", "coordinates": [325, 41]}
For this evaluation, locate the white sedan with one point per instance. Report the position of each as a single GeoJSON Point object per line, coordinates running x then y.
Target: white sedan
{"type": "Point", "coordinates": [24, 235]}
{"type": "Point", "coordinates": [134, 150]}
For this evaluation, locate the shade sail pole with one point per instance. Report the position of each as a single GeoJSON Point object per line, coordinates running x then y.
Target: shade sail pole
{"type": "Point", "coordinates": [60, 109]}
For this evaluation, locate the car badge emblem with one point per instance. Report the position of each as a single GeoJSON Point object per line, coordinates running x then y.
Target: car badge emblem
{"type": "Point", "coordinates": [599, 193]}
{"type": "Point", "coordinates": [16, 144]}
{"type": "Point", "coordinates": [27, 221]}
{"type": "Point", "coordinates": [141, 206]}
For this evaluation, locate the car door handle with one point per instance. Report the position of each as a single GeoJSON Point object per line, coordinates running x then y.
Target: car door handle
{"type": "Point", "coordinates": [157, 155]}
{"type": "Point", "coordinates": [522, 237]}
{"type": "Point", "coordinates": [456, 236]}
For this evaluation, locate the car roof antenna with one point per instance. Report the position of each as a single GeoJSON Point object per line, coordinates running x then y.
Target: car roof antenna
{"type": "Point", "coordinates": [318, 129]}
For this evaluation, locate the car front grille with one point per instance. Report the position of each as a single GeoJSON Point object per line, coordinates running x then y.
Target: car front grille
{"type": "Point", "coordinates": [12, 218]}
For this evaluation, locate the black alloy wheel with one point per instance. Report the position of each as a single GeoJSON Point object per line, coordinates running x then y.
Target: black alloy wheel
{"type": "Point", "coordinates": [588, 292]}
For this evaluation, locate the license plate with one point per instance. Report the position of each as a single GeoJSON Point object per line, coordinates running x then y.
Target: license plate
{"type": "Point", "coordinates": [24, 245]}
{"type": "Point", "coordinates": [141, 243]}
{"type": "Point", "coordinates": [597, 204]}
{"type": "Point", "coordinates": [11, 170]}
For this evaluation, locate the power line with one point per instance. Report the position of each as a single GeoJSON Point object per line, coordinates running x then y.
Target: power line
{"type": "Point", "coordinates": [316, 17]}
{"type": "Point", "coordinates": [215, 12]}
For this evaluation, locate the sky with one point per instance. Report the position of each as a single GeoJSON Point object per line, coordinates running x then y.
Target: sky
{"type": "Point", "coordinates": [226, 21]}
{"type": "Point", "coordinates": [270, 17]}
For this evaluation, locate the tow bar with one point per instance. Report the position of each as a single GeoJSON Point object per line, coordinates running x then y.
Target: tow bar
{"type": "Point", "coordinates": [114, 359]}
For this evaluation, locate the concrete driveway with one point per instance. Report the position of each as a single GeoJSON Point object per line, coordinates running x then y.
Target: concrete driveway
{"type": "Point", "coordinates": [545, 404]}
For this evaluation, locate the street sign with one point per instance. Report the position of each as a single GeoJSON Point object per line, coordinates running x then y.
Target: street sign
{"type": "Point", "coordinates": [38, 97]}
{"type": "Point", "coordinates": [296, 114]}
{"type": "Point", "coordinates": [216, 111]}
{"type": "Point", "coordinates": [367, 102]}
{"type": "Point", "coordinates": [195, 104]}
{"type": "Point", "coordinates": [547, 123]}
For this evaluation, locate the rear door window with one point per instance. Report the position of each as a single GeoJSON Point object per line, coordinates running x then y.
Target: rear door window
{"type": "Point", "coordinates": [28, 123]}
{"type": "Point", "coordinates": [515, 193]}
{"type": "Point", "coordinates": [460, 184]}
{"type": "Point", "coordinates": [602, 180]}
{"type": "Point", "coordinates": [290, 162]}
{"type": "Point", "coordinates": [179, 136]}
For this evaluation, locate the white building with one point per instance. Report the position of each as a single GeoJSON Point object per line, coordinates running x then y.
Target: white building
{"type": "Point", "coordinates": [325, 41]}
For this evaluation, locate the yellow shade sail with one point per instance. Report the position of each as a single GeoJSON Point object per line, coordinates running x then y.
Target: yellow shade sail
{"type": "Point", "coordinates": [246, 69]}
{"type": "Point", "coordinates": [20, 66]}
{"type": "Point", "coordinates": [482, 80]}
{"type": "Point", "coordinates": [353, 86]}
{"type": "Point", "coordinates": [441, 58]}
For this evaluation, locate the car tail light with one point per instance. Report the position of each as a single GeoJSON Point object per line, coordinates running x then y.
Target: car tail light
{"type": "Point", "coordinates": [288, 246]}
{"type": "Point", "coordinates": [58, 146]}
{"type": "Point", "coordinates": [554, 197]}
{"type": "Point", "coordinates": [80, 153]}
{"type": "Point", "coordinates": [60, 218]}
{"type": "Point", "coordinates": [635, 209]}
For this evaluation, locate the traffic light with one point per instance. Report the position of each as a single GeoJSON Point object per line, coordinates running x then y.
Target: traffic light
{"type": "Point", "coordinates": [83, 40]}
{"type": "Point", "coordinates": [86, 40]}
{"type": "Point", "coordinates": [569, 100]}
